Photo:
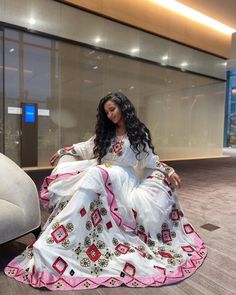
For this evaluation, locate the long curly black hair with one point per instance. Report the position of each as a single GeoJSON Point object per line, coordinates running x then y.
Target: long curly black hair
{"type": "Point", "coordinates": [105, 130]}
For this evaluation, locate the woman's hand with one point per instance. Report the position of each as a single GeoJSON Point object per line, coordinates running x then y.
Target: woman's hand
{"type": "Point", "coordinates": [175, 179]}
{"type": "Point", "coordinates": [54, 158]}
{"type": "Point", "coordinates": [68, 150]}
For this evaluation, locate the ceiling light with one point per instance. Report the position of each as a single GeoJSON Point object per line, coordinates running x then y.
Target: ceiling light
{"type": "Point", "coordinates": [165, 57]}
{"type": "Point", "coordinates": [134, 50]}
{"type": "Point", "coordinates": [98, 39]}
{"type": "Point", "coordinates": [32, 21]}
{"type": "Point", "coordinates": [12, 50]}
{"type": "Point", "coordinates": [95, 67]}
{"type": "Point", "coordinates": [195, 15]}
{"type": "Point", "coordinates": [184, 64]}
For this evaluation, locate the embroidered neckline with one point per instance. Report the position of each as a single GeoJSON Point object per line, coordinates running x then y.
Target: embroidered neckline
{"type": "Point", "coordinates": [117, 148]}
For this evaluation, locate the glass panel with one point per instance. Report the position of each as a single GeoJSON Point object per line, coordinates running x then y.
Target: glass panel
{"type": "Point", "coordinates": [12, 35]}
{"type": "Point", "coordinates": [231, 128]}
{"type": "Point", "coordinates": [58, 19]}
{"type": "Point", "coordinates": [28, 79]}
{"type": "Point", "coordinates": [1, 91]}
{"type": "Point", "coordinates": [37, 41]}
{"type": "Point", "coordinates": [13, 90]}
{"type": "Point", "coordinates": [49, 132]}
{"type": "Point", "coordinates": [183, 111]}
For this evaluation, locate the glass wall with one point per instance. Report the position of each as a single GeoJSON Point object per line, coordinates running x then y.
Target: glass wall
{"type": "Point", "coordinates": [60, 19]}
{"type": "Point", "coordinates": [185, 112]}
{"type": "Point", "coordinates": [230, 125]}
{"type": "Point", "coordinates": [29, 66]}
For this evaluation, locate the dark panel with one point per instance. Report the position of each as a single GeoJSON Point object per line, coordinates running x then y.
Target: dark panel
{"type": "Point", "coordinates": [29, 135]}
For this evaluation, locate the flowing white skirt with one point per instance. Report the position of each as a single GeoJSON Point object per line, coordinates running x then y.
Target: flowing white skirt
{"type": "Point", "coordinates": [109, 228]}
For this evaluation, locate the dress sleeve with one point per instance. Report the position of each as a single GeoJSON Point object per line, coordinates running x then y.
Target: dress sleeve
{"type": "Point", "coordinates": [83, 150]}
{"type": "Point", "coordinates": [152, 161]}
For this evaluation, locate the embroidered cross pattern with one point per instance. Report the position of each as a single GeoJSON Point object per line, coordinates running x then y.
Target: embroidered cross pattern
{"type": "Point", "coordinates": [93, 253]}
{"type": "Point", "coordinates": [59, 234]}
{"type": "Point", "coordinates": [123, 249]}
{"type": "Point", "coordinates": [166, 235]}
{"type": "Point", "coordinates": [175, 214]}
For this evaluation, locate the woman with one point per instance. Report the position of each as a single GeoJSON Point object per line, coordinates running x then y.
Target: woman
{"type": "Point", "coordinates": [108, 226]}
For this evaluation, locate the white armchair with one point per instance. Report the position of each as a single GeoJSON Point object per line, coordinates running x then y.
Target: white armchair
{"type": "Point", "coordinates": [19, 203]}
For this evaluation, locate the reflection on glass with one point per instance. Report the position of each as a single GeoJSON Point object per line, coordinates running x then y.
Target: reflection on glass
{"type": "Point", "coordinates": [13, 85]}
{"type": "Point", "coordinates": [67, 81]}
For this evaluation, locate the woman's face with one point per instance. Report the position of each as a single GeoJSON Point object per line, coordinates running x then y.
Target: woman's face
{"type": "Point", "coordinates": [113, 112]}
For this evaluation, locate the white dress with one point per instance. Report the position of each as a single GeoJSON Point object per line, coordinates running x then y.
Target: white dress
{"type": "Point", "coordinates": [110, 227]}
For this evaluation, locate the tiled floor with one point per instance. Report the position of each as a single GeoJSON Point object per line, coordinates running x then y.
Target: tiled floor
{"type": "Point", "coordinates": [208, 197]}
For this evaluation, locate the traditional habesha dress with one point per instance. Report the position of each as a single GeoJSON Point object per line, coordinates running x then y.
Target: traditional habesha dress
{"type": "Point", "coordinates": [110, 227]}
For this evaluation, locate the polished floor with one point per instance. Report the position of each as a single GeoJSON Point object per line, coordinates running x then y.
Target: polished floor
{"type": "Point", "coordinates": [208, 196]}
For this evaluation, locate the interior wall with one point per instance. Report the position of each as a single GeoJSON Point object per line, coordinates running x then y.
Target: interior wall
{"type": "Point", "coordinates": [150, 16]}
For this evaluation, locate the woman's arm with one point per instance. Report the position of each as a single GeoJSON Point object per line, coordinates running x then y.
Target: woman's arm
{"type": "Point", "coordinates": [84, 150]}
{"type": "Point", "coordinates": [69, 150]}
{"type": "Point", "coordinates": [152, 161]}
